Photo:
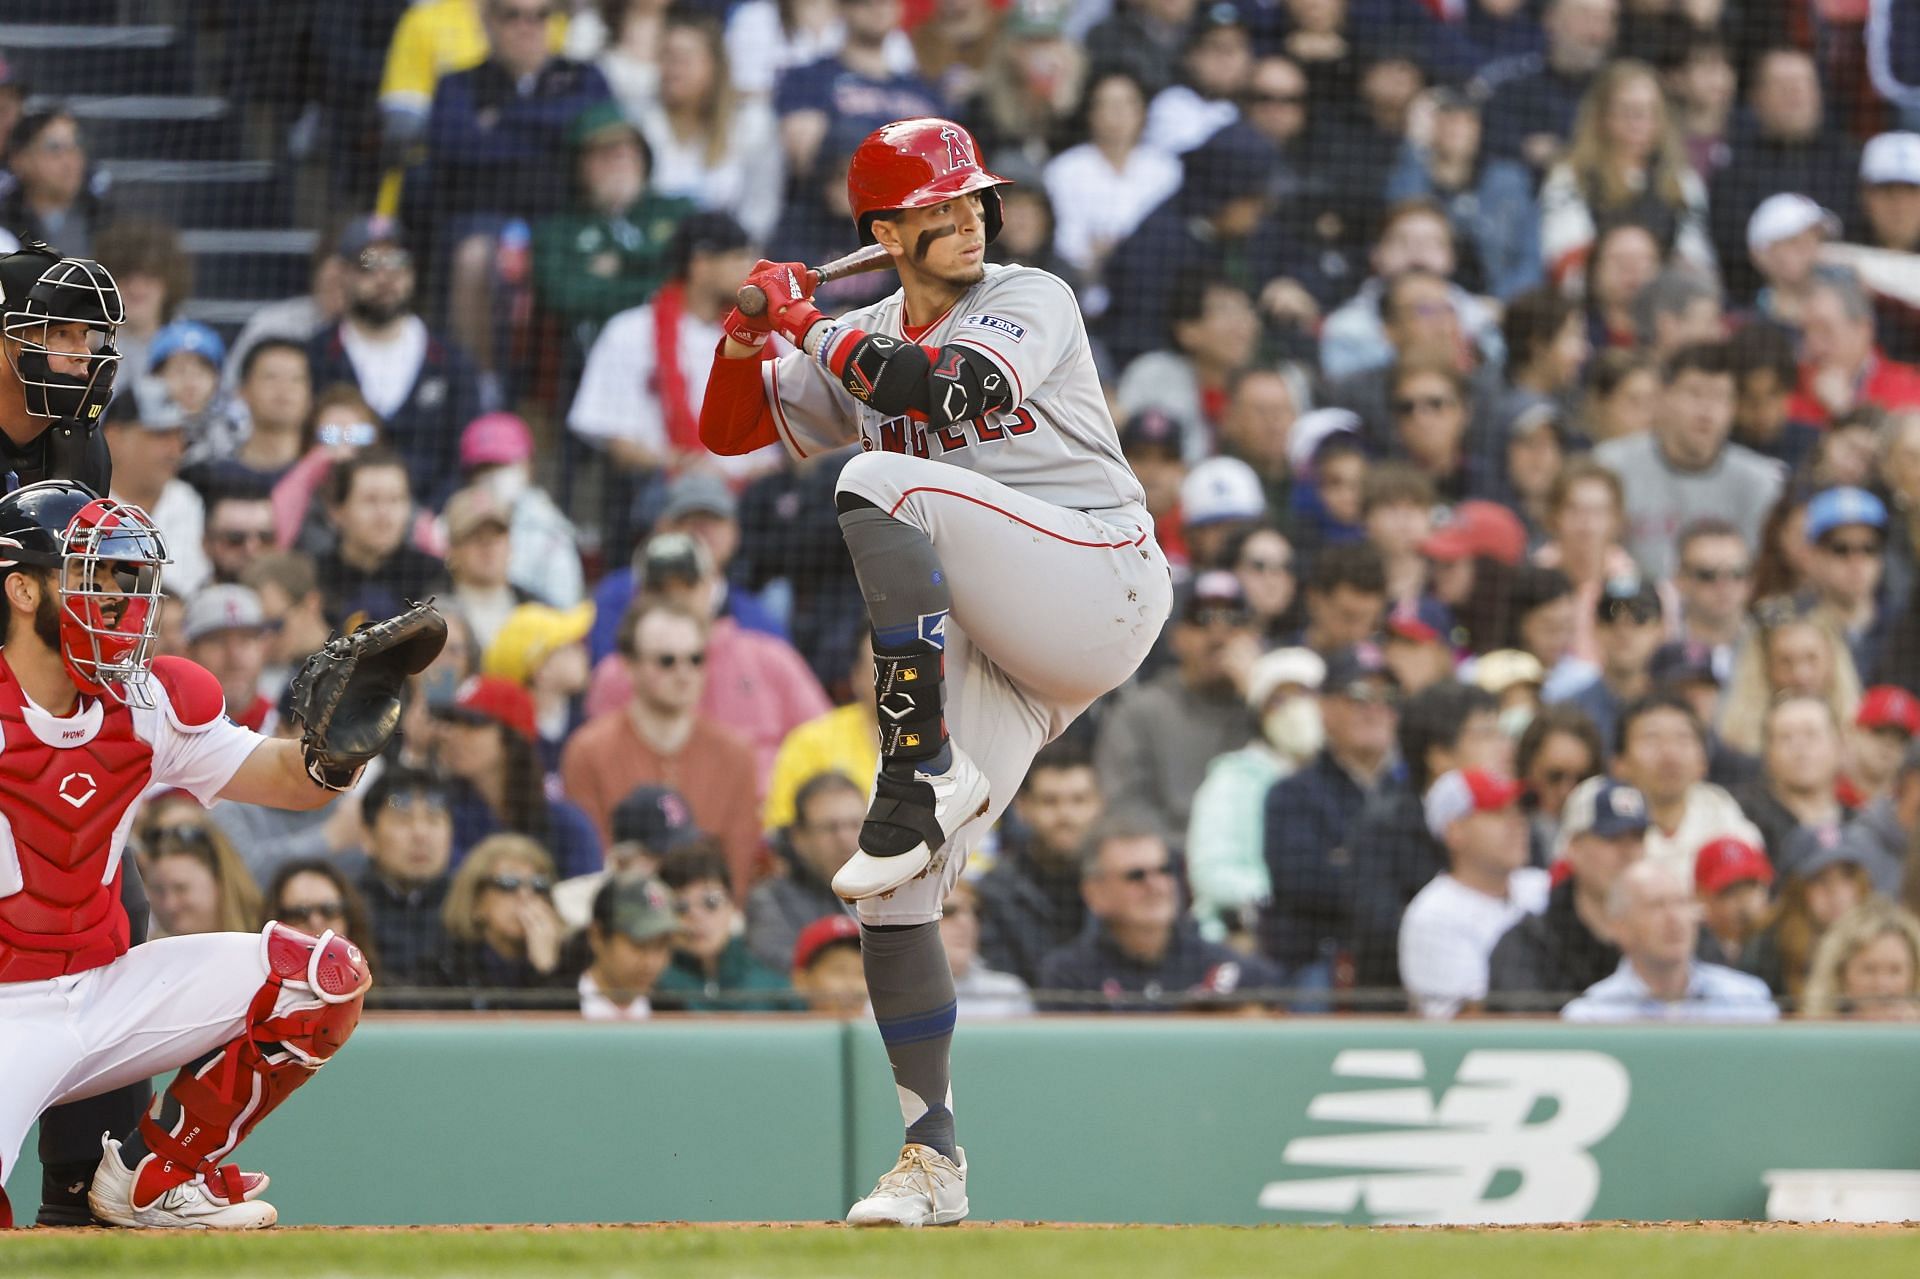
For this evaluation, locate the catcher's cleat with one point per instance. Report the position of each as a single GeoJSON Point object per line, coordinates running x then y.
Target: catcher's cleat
{"type": "Point", "coordinates": [909, 821]}
{"type": "Point", "coordinates": [924, 1189]}
{"type": "Point", "coordinates": [117, 1195]}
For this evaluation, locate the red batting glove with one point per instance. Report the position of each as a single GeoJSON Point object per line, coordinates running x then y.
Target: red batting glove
{"type": "Point", "coordinates": [748, 330]}
{"type": "Point", "coordinates": [789, 290]}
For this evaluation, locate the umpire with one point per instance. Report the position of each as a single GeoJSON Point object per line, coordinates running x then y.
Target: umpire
{"type": "Point", "coordinates": [58, 319]}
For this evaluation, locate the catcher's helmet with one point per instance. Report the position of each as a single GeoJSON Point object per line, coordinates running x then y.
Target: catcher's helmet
{"type": "Point", "coordinates": [39, 289]}
{"type": "Point", "coordinates": [911, 164]}
{"type": "Point", "coordinates": [106, 558]}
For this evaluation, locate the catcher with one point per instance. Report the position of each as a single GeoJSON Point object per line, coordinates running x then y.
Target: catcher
{"type": "Point", "coordinates": [90, 719]}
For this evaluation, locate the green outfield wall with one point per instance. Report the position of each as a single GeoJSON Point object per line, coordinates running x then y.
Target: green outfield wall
{"type": "Point", "coordinates": [1114, 1119]}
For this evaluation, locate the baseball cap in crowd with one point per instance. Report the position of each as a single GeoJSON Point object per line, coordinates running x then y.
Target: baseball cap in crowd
{"type": "Point", "coordinates": [1215, 594]}
{"type": "Point", "coordinates": [1724, 862]}
{"type": "Point", "coordinates": [1808, 850]}
{"type": "Point", "coordinates": [367, 231]}
{"type": "Point", "coordinates": [1503, 668]}
{"type": "Point", "coordinates": [489, 699]}
{"type": "Point", "coordinates": [603, 122]}
{"type": "Point", "coordinates": [1359, 671]}
{"type": "Point", "coordinates": [828, 930]}
{"type": "Point", "coordinates": [699, 493]}
{"type": "Point", "coordinates": [1280, 668]}
{"type": "Point", "coordinates": [1461, 791]}
{"type": "Point", "coordinates": [709, 231]}
{"type": "Point", "coordinates": [1035, 19]}
{"type": "Point", "coordinates": [1608, 809]}
{"type": "Point", "coordinates": [1679, 662]}
{"type": "Point", "coordinates": [637, 907]}
{"type": "Point", "coordinates": [473, 507]}
{"type": "Point", "coordinates": [1313, 429]}
{"type": "Point", "coordinates": [1892, 159]}
{"type": "Point", "coordinates": [190, 336]}
{"type": "Point", "coordinates": [1632, 598]}
{"type": "Point", "coordinates": [1785, 215]}
{"type": "Point", "coordinates": [222, 607]}
{"type": "Point", "coordinates": [531, 633]}
{"type": "Point", "coordinates": [1220, 489]}
{"type": "Point", "coordinates": [1838, 507]}
{"type": "Point", "coordinates": [1478, 530]}
{"type": "Point", "coordinates": [1150, 430]}
{"type": "Point", "coordinates": [1889, 707]}
{"type": "Point", "coordinates": [674, 557]}
{"type": "Point", "coordinates": [496, 439]}
{"type": "Point", "coordinates": [1424, 621]}
{"type": "Point", "coordinates": [655, 817]}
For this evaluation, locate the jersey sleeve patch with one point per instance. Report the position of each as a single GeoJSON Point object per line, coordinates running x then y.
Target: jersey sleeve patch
{"type": "Point", "coordinates": [999, 324]}
{"type": "Point", "coordinates": [194, 699]}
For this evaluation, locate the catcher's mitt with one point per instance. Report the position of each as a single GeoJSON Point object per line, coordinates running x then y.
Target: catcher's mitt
{"type": "Point", "coordinates": [347, 696]}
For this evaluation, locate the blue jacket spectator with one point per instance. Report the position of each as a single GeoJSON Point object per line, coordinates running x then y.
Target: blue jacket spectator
{"type": "Point", "coordinates": [858, 88]}
{"type": "Point", "coordinates": [497, 141]}
{"type": "Point", "coordinates": [1308, 816]}
{"type": "Point", "coordinates": [1489, 201]}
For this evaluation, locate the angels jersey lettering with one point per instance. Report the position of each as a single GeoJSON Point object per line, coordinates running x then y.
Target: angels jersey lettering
{"type": "Point", "coordinates": [1057, 443]}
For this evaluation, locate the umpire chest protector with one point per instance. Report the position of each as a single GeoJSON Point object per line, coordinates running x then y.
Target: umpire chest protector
{"type": "Point", "coordinates": [67, 794]}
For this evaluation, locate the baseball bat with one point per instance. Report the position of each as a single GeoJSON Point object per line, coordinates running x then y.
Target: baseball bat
{"type": "Point", "coordinates": [752, 299]}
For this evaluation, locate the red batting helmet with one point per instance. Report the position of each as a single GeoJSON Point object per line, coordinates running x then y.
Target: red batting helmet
{"type": "Point", "coordinates": [911, 164]}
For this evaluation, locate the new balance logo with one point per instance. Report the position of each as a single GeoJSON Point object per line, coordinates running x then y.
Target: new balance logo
{"type": "Point", "coordinates": [1422, 1159]}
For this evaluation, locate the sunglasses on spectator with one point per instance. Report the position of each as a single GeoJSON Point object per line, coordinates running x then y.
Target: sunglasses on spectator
{"type": "Point", "coordinates": [712, 899]}
{"type": "Point", "coordinates": [667, 661]}
{"type": "Point", "coordinates": [385, 258]}
{"type": "Point", "coordinates": [1259, 99]}
{"type": "Point", "coordinates": [1219, 616]}
{"type": "Point", "coordinates": [514, 883]}
{"type": "Point", "coordinates": [1850, 548]}
{"type": "Point", "coordinates": [1141, 874]}
{"type": "Point", "coordinates": [321, 911]}
{"type": "Point", "coordinates": [407, 803]}
{"type": "Point", "coordinates": [1368, 693]}
{"type": "Point", "coordinates": [1634, 610]}
{"type": "Point", "coordinates": [1423, 403]}
{"type": "Point", "coordinates": [187, 836]}
{"type": "Point", "coordinates": [237, 537]}
{"type": "Point", "coordinates": [1708, 575]}
{"type": "Point", "coordinates": [354, 434]}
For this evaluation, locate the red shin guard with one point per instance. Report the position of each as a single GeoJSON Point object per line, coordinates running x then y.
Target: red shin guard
{"type": "Point", "coordinates": [306, 1009]}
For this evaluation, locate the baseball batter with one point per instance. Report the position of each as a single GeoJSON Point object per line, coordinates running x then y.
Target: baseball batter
{"type": "Point", "coordinates": [1002, 545]}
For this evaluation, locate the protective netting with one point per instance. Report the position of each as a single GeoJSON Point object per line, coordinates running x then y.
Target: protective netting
{"type": "Point", "coordinates": [1519, 389]}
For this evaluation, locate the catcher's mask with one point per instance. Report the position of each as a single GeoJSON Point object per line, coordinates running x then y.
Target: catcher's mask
{"type": "Point", "coordinates": [106, 569]}
{"type": "Point", "coordinates": [41, 292]}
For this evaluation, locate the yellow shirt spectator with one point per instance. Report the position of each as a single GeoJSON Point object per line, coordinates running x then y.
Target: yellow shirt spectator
{"type": "Point", "coordinates": [844, 738]}
{"type": "Point", "coordinates": [435, 38]}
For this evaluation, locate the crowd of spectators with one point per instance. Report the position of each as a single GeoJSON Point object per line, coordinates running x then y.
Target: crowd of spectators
{"type": "Point", "coordinates": [1524, 391]}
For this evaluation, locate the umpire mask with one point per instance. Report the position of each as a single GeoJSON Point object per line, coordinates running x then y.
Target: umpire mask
{"type": "Point", "coordinates": [66, 310]}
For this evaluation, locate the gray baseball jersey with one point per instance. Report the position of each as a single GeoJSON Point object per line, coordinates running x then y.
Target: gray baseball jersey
{"type": "Point", "coordinates": [1057, 443]}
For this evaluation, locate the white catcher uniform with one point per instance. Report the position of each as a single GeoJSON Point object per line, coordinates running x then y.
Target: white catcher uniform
{"type": "Point", "coordinates": [1059, 589]}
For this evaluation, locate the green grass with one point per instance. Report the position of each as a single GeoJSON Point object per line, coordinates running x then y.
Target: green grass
{"type": "Point", "coordinates": [1126, 1253]}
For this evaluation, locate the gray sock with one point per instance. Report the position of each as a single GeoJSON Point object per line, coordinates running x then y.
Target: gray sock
{"type": "Point", "coordinates": [912, 992]}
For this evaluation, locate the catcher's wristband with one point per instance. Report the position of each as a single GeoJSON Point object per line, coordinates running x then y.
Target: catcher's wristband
{"type": "Point", "coordinates": [330, 776]}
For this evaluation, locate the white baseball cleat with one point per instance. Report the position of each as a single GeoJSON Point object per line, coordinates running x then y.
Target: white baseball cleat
{"type": "Point", "coordinates": [931, 806]}
{"type": "Point", "coordinates": [187, 1206]}
{"type": "Point", "coordinates": [924, 1189]}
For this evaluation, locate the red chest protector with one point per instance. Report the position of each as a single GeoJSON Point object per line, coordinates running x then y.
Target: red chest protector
{"type": "Point", "coordinates": [67, 791]}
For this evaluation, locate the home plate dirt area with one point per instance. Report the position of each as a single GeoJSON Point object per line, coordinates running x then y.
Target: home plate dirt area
{"type": "Point", "coordinates": [985, 1250]}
